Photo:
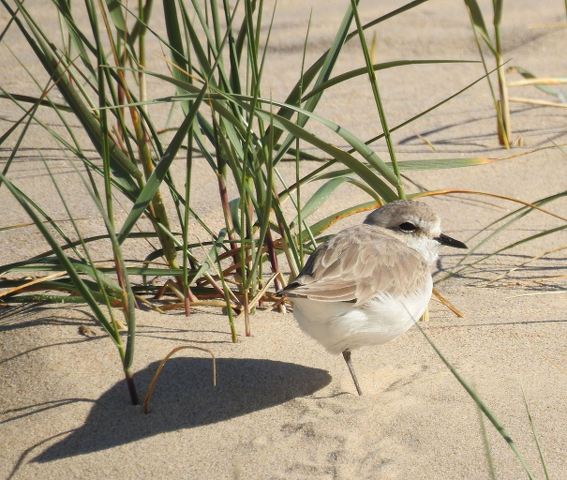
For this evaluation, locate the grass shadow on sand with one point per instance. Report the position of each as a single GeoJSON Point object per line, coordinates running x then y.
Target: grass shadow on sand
{"type": "Point", "coordinates": [185, 398]}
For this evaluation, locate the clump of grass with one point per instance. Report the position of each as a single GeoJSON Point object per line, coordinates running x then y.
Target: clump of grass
{"type": "Point", "coordinates": [500, 96]}
{"type": "Point", "coordinates": [494, 44]}
{"type": "Point", "coordinates": [215, 67]}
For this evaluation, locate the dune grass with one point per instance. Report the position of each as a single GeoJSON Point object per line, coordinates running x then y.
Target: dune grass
{"type": "Point", "coordinates": [216, 53]}
{"type": "Point", "coordinates": [494, 44]}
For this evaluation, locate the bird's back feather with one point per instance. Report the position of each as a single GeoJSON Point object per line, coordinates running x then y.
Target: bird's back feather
{"type": "Point", "coordinates": [359, 263]}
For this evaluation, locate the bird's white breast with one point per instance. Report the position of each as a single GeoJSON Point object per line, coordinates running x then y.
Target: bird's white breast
{"type": "Point", "coordinates": [341, 325]}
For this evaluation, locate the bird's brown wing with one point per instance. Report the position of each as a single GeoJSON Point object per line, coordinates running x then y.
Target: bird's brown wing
{"type": "Point", "coordinates": [357, 264]}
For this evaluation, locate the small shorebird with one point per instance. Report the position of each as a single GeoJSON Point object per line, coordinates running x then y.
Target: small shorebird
{"type": "Point", "coordinates": [369, 283]}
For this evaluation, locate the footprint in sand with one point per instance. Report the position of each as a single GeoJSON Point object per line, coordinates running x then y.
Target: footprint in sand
{"type": "Point", "coordinates": [385, 379]}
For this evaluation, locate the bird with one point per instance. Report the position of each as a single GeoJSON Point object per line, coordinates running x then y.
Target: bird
{"type": "Point", "coordinates": [369, 283]}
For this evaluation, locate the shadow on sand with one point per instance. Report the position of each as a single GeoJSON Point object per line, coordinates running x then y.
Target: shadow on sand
{"type": "Point", "coordinates": [185, 398]}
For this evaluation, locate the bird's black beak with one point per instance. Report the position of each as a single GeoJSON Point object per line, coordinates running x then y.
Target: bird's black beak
{"type": "Point", "coordinates": [450, 242]}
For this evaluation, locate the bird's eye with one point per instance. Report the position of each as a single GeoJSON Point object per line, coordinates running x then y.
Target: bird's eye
{"type": "Point", "coordinates": [407, 227]}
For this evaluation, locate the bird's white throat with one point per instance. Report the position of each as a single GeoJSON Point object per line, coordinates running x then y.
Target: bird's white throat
{"type": "Point", "coordinates": [427, 247]}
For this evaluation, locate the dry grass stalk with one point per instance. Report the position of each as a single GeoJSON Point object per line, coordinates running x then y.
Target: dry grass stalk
{"type": "Point", "coordinates": [156, 376]}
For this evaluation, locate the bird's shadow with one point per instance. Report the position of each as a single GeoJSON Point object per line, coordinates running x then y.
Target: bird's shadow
{"type": "Point", "coordinates": [186, 398]}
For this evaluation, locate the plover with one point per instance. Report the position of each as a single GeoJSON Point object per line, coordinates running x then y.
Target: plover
{"type": "Point", "coordinates": [368, 284]}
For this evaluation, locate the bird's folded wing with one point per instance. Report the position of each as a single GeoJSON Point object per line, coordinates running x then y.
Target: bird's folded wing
{"type": "Point", "coordinates": [358, 264]}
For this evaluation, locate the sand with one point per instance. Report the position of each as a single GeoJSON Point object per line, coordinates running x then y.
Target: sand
{"type": "Point", "coordinates": [283, 407]}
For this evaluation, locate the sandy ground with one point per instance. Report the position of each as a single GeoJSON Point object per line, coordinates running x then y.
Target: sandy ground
{"type": "Point", "coordinates": [283, 407]}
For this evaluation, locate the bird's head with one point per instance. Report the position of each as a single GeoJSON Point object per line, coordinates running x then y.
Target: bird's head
{"type": "Point", "coordinates": [414, 223]}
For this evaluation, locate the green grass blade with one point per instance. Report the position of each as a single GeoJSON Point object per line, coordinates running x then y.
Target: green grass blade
{"type": "Point", "coordinates": [140, 26]}
{"type": "Point", "coordinates": [312, 71]}
{"type": "Point", "coordinates": [555, 92]}
{"type": "Point", "coordinates": [322, 69]}
{"type": "Point", "coordinates": [352, 163]}
{"type": "Point", "coordinates": [357, 145]}
{"type": "Point", "coordinates": [64, 259]}
{"type": "Point", "coordinates": [30, 114]}
{"type": "Point", "coordinates": [329, 221]}
{"type": "Point", "coordinates": [532, 427]}
{"type": "Point", "coordinates": [9, 23]}
{"type": "Point", "coordinates": [508, 220]}
{"type": "Point", "coordinates": [162, 168]}
{"type": "Point", "coordinates": [513, 217]}
{"type": "Point", "coordinates": [76, 37]}
{"type": "Point", "coordinates": [479, 25]}
{"type": "Point", "coordinates": [357, 72]}
{"type": "Point", "coordinates": [425, 164]}
{"type": "Point", "coordinates": [497, 6]}
{"type": "Point", "coordinates": [115, 10]}
{"type": "Point", "coordinates": [378, 102]}
{"type": "Point", "coordinates": [318, 198]}
{"type": "Point", "coordinates": [29, 99]}
{"type": "Point", "coordinates": [175, 41]}
{"type": "Point", "coordinates": [527, 239]}
{"type": "Point", "coordinates": [433, 107]}
{"type": "Point", "coordinates": [123, 165]}
{"type": "Point", "coordinates": [480, 404]}
{"type": "Point", "coordinates": [211, 257]}
{"type": "Point", "coordinates": [393, 13]}
{"type": "Point", "coordinates": [486, 446]}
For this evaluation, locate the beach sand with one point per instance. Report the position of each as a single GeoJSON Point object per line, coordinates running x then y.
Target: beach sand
{"type": "Point", "coordinates": [284, 408]}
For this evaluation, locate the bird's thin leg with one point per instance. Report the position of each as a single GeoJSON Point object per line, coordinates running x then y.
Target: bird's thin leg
{"type": "Point", "coordinates": [346, 355]}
